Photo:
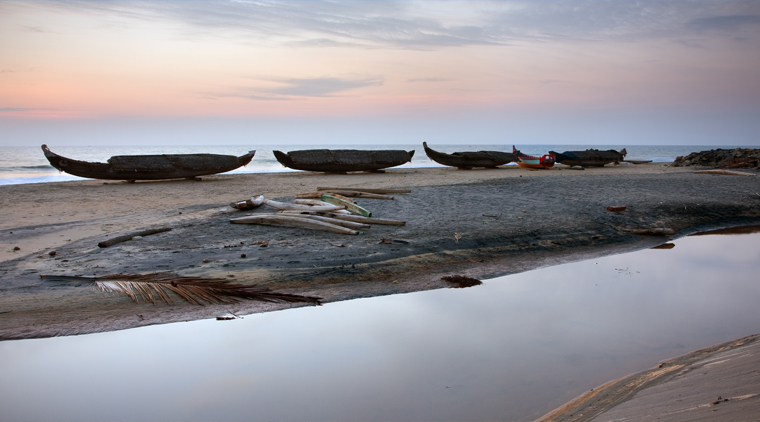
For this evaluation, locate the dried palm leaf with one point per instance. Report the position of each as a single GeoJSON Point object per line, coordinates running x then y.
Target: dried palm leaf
{"type": "Point", "coordinates": [196, 290]}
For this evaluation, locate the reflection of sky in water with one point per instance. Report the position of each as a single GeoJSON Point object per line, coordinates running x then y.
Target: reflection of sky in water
{"type": "Point", "coordinates": [511, 349]}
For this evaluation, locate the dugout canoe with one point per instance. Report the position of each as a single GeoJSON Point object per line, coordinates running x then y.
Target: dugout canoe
{"type": "Point", "coordinates": [533, 162]}
{"type": "Point", "coordinates": [149, 167]}
{"type": "Point", "coordinates": [589, 157]}
{"type": "Point", "coordinates": [470, 159]}
{"type": "Point", "coordinates": [343, 160]}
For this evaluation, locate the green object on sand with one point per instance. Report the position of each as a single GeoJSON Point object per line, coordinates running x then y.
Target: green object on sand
{"type": "Point", "coordinates": [350, 206]}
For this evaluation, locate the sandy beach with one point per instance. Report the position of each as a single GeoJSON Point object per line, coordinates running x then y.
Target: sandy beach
{"type": "Point", "coordinates": [478, 223]}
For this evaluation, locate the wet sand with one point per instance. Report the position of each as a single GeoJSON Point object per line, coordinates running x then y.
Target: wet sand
{"type": "Point", "coordinates": [478, 223]}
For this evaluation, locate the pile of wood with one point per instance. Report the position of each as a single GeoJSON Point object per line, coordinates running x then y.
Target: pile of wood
{"type": "Point", "coordinates": [327, 209]}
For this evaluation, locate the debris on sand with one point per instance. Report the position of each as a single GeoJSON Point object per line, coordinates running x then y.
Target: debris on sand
{"type": "Point", "coordinates": [196, 290]}
{"type": "Point", "coordinates": [119, 239]}
{"type": "Point", "coordinates": [460, 281]}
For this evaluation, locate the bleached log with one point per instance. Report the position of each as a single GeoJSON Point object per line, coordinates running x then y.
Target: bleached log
{"type": "Point", "coordinates": [311, 202]}
{"type": "Point", "coordinates": [286, 206]}
{"type": "Point", "coordinates": [336, 221]}
{"type": "Point", "coordinates": [368, 220]}
{"type": "Point", "coordinates": [292, 221]}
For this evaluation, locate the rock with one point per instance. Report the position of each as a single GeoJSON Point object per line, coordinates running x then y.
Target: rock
{"type": "Point", "coordinates": [722, 158]}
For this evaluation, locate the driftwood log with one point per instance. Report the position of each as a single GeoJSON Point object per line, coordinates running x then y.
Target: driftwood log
{"type": "Point", "coordinates": [286, 206]}
{"type": "Point", "coordinates": [345, 193]}
{"type": "Point", "coordinates": [312, 202]}
{"type": "Point", "coordinates": [292, 221]}
{"type": "Point", "coordinates": [380, 191]}
{"type": "Point", "coordinates": [338, 222]}
{"type": "Point", "coordinates": [351, 217]}
{"type": "Point", "coordinates": [119, 239]}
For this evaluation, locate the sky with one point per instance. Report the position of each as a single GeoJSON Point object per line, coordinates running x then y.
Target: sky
{"type": "Point", "coordinates": [611, 72]}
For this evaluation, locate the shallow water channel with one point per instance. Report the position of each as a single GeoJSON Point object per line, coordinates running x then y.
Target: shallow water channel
{"type": "Point", "coordinates": [510, 349]}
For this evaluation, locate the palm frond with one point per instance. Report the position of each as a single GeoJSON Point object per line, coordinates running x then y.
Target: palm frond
{"type": "Point", "coordinates": [196, 290]}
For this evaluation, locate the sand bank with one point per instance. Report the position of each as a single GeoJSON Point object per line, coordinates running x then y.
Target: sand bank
{"type": "Point", "coordinates": [478, 223]}
{"type": "Point", "coordinates": [718, 383]}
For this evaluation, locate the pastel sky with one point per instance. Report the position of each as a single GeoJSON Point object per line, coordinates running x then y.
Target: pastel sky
{"type": "Point", "coordinates": [330, 72]}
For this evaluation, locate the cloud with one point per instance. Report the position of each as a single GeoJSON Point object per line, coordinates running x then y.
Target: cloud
{"type": "Point", "coordinates": [17, 109]}
{"type": "Point", "coordinates": [428, 80]}
{"type": "Point", "coordinates": [429, 24]}
{"type": "Point", "coordinates": [321, 87]}
{"type": "Point", "coordinates": [293, 88]}
{"type": "Point", "coordinates": [725, 23]}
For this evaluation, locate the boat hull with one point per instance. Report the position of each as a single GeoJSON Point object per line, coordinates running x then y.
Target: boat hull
{"type": "Point", "coordinates": [149, 167]}
{"type": "Point", "coordinates": [468, 160]}
{"type": "Point", "coordinates": [342, 160]}
{"type": "Point", "coordinates": [589, 157]}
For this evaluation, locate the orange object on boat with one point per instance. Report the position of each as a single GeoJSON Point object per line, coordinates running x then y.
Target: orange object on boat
{"type": "Point", "coordinates": [534, 162]}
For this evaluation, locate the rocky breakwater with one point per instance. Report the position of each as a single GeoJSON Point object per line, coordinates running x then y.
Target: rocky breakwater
{"type": "Point", "coordinates": [722, 158]}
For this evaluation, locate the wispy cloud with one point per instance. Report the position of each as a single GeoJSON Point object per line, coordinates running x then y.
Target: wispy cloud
{"type": "Point", "coordinates": [29, 69]}
{"type": "Point", "coordinates": [16, 109]}
{"type": "Point", "coordinates": [321, 87]}
{"type": "Point", "coordinates": [725, 23]}
{"type": "Point", "coordinates": [414, 80]}
{"type": "Point", "coordinates": [295, 88]}
{"type": "Point", "coordinates": [415, 24]}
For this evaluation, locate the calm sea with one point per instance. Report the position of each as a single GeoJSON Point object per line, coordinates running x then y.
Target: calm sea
{"type": "Point", "coordinates": [28, 164]}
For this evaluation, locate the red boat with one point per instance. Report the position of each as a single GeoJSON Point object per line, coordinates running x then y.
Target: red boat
{"type": "Point", "coordinates": [533, 162]}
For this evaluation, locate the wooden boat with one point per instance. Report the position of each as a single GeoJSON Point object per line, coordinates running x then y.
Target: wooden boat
{"type": "Point", "coordinates": [149, 167]}
{"type": "Point", "coordinates": [343, 160]}
{"type": "Point", "coordinates": [589, 157]}
{"type": "Point", "coordinates": [468, 160]}
{"type": "Point", "coordinates": [533, 162]}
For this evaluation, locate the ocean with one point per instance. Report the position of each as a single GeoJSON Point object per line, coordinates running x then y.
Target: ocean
{"type": "Point", "coordinates": [19, 165]}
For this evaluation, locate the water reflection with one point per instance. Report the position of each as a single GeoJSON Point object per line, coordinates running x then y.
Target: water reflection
{"type": "Point", "coordinates": [510, 349]}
